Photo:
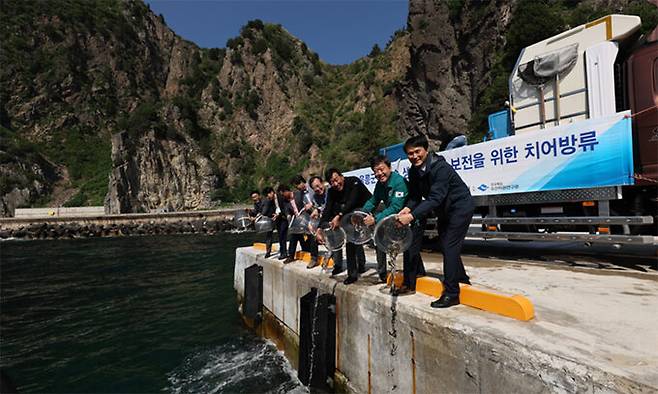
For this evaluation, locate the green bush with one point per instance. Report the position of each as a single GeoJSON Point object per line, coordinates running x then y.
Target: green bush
{"type": "Point", "coordinates": [234, 43]}
{"type": "Point", "coordinates": [259, 46]}
{"type": "Point", "coordinates": [143, 118]}
{"type": "Point", "coordinates": [252, 103]}
{"type": "Point", "coordinates": [455, 8]}
{"type": "Point", "coordinates": [281, 44]}
{"type": "Point", "coordinates": [236, 58]}
{"type": "Point", "coordinates": [375, 51]}
{"type": "Point", "coordinates": [78, 200]}
{"type": "Point", "coordinates": [255, 24]}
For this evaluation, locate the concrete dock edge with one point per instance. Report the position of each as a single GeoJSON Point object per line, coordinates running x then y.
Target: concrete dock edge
{"type": "Point", "coordinates": [423, 350]}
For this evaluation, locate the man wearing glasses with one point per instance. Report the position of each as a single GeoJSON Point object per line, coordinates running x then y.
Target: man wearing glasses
{"type": "Point", "coordinates": [345, 195]}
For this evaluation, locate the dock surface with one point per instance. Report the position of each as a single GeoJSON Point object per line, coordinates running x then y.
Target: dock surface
{"type": "Point", "coordinates": [594, 330]}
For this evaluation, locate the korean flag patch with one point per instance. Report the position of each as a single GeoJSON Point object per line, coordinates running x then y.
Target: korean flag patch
{"type": "Point", "coordinates": [399, 194]}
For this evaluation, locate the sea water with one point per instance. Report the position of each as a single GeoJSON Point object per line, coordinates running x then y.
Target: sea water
{"type": "Point", "coordinates": [134, 314]}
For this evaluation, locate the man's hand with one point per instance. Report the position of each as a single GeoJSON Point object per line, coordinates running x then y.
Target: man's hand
{"type": "Point", "coordinates": [404, 210]}
{"type": "Point", "coordinates": [405, 218]}
{"type": "Point", "coordinates": [315, 214]}
{"type": "Point", "coordinates": [335, 222]}
{"type": "Point", "coordinates": [369, 220]}
{"type": "Point", "coordinates": [319, 237]}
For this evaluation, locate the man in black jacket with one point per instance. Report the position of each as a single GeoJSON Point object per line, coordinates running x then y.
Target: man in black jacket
{"type": "Point", "coordinates": [345, 195]}
{"type": "Point", "coordinates": [436, 189]}
{"type": "Point", "coordinates": [258, 203]}
{"type": "Point", "coordinates": [302, 204]}
{"type": "Point", "coordinates": [284, 213]}
{"type": "Point", "coordinates": [268, 208]}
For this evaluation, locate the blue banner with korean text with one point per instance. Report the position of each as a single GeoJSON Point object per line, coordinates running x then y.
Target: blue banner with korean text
{"type": "Point", "coordinates": [589, 153]}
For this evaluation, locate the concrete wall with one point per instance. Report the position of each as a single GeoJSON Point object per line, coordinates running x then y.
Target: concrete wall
{"type": "Point", "coordinates": [424, 350]}
{"type": "Point", "coordinates": [58, 211]}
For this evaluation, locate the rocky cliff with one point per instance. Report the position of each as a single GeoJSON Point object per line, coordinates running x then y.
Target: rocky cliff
{"type": "Point", "coordinates": [101, 103]}
{"type": "Point", "coordinates": [98, 90]}
{"type": "Point", "coordinates": [453, 48]}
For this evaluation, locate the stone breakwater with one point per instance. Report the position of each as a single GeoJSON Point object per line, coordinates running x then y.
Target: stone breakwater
{"type": "Point", "coordinates": [206, 222]}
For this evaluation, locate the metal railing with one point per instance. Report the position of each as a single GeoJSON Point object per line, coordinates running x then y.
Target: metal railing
{"type": "Point", "coordinates": [602, 221]}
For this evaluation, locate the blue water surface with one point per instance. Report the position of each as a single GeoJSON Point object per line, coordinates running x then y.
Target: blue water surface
{"type": "Point", "coordinates": [130, 315]}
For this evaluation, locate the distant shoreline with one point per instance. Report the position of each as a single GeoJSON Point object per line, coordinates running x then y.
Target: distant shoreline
{"type": "Point", "coordinates": [189, 222]}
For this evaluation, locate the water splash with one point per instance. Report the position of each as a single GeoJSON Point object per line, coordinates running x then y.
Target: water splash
{"type": "Point", "coordinates": [391, 255]}
{"type": "Point", "coordinates": [313, 335]}
{"type": "Point", "coordinates": [248, 365]}
{"type": "Point", "coordinates": [391, 259]}
{"type": "Point", "coordinates": [325, 262]}
{"type": "Point", "coordinates": [240, 230]}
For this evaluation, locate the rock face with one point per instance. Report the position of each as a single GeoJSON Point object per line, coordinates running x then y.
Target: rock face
{"type": "Point", "coordinates": [100, 102]}
{"type": "Point", "coordinates": [157, 175]}
{"type": "Point", "coordinates": [143, 120]}
{"type": "Point", "coordinates": [452, 52]}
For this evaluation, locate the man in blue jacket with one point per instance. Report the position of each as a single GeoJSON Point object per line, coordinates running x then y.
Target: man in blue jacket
{"type": "Point", "coordinates": [436, 189]}
{"type": "Point", "coordinates": [390, 190]}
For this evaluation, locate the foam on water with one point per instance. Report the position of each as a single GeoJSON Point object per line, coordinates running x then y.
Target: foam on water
{"type": "Point", "coordinates": [138, 314]}
{"type": "Point", "coordinates": [246, 365]}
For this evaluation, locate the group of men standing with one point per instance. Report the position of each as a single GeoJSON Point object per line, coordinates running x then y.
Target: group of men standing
{"type": "Point", "coordinates": [433, 189]}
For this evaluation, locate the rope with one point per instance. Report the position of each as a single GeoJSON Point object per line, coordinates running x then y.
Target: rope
{"type": "Point", "coordinates": [638, 176]}
{"type": "Point", "coordinates": [641, 112]}
{"type": "Point", "coordinates": [644, 178]}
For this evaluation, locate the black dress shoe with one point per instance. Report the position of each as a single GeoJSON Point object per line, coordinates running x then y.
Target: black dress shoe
{"type": "Point", "coordinates": [446, 301]}
{"type": "Point", "coordinates": [288, 259]}
{"type": "Point", "coordinates": [383, 277]}
{"type": "Point", "coordinates": [283, 257]}
{"type": "Point", "coordinates": [465, 281]}
{"type": "Point", "coordinates": [404, 290]}
{"type": "Point", "coordinates": [336, 271]}
{"type": "Point", "coordinates": [349, 280]}
{"type": "Point", "coordinates": [267, 255]}
{"type": "Point", "coordinates": [313, 263]}
{"type": "Point", "coordinates": [362, 270]}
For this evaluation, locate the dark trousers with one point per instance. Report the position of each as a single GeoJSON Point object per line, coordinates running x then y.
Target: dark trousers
{"type": "Point", "coordinates": [282, 227]}
{"type": "Point", "coordinates": [451, 239]}
{"type": "Point", "coordinates": [268, 242]}
{"type": "Point", "coordinates": [356, 259]}
{"type": "Point", "coordinates": [381, 262]}
{"type": "Point", "coordinates": [412, 261]}
{"type": "Point", "coordinates": [308, 245]}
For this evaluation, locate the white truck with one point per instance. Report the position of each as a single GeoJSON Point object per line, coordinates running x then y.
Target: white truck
{"type": "Point", "coordinates": [577, 159]}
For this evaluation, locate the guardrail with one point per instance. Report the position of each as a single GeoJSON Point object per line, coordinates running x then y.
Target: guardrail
{"type": "Point", "coordinates": [492, 232]}
{"type": "Point", "coordinates": [584, 220]}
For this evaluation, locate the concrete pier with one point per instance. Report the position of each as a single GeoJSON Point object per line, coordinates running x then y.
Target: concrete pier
{"type": "Point", "coordinates": [594, 331]}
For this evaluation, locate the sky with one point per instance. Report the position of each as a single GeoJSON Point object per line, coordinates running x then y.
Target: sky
{"type": "Point", "coordinates": [340, 31]}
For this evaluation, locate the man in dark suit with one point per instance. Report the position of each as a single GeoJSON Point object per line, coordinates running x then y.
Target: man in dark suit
{"type": "Point", "coordinates": [284, 213]}
{"type": "Point", "coordinates": [268, 208]}
{"type": "Point", "coordinates": [435, 189]}
{"type": "Point", "coordinates": [258, 203]}
{"type": "Point", "coordinates": [345, 195]}
{"type": "Point", "coordinates": [302, 204]}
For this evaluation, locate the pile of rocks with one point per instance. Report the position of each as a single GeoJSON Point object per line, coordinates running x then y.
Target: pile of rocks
{"type": "Point", "coordinates": [81, 230]}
